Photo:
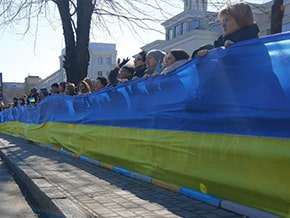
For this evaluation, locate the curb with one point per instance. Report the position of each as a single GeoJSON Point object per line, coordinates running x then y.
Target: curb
{"type": "Point", "coordinates": [53, 202]}
{"type": "Point", "coordinates": [247, 211]}
{"type": "Point", "coordinates": [206, 198]}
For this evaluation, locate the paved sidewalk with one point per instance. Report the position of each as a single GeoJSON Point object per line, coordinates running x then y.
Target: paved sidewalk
{"type": "Point", "coordinates": [13, 203]}
{"type": "Point", "coordinates": [68, 187]}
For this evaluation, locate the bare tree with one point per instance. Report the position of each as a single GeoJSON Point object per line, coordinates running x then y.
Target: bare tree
{"type": "Point", "coordinates": [76, 17]}
{"type": "Point", "coordinates": [76, 36]}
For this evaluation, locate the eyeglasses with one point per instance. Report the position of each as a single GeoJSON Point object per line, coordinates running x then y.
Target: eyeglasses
{"type": "Point", "coordinates": [138, 59]}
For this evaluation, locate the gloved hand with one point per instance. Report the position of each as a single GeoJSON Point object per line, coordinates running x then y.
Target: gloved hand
{"type": "Point", "coordinates": [125, 61]}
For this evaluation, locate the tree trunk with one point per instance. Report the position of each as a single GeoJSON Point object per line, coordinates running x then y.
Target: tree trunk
{"type": "Point", "coordinates": [84, 16]}
{"type": "Point", "coordinates": [277, 16]}
{"type": "Point", "coordinates": [76, 44]}
{"type": "Point", "coordinates": [70, 51]}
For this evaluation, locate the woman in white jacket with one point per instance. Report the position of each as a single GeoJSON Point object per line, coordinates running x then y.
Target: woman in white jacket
{"type": "Point", "coordinates": [174, 59]}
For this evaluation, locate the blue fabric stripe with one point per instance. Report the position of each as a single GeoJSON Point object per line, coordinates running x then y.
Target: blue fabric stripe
{"type": "Point", "coordinates": [244, 89]}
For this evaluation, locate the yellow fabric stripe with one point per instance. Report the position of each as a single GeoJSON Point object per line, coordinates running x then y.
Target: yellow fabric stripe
{"type": "Point", "coordinates": [253, 171]}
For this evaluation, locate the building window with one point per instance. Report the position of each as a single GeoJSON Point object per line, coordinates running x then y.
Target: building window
{"type": "Point", "coordinates": [176, 31]}
{"type": "Point", "coordinates": [169, 34]}
{"type": "Point", "coordinates": [100, 60]}
{"type": "Point", "coordinates": [109, 61]}
{"type": "Point", "coordinates": [183, 28]}
{"type": "Point", "coordinates": [194, 25]}
{"type": "Point", "coordinates": [100, 73]}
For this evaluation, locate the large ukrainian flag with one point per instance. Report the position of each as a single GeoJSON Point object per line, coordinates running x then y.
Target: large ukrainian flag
{"type": "Point", "coordinates": [219, 124]}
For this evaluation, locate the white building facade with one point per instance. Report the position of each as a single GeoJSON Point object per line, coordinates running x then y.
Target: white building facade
{"type": "Point", "coordinates": [193, 27]}
{"type": "Point", "coordinates": [103, 58]}
{"type": "Point", "coordinates": [189, 29]}
{"type": "Point", "coordinates": [196, 26]}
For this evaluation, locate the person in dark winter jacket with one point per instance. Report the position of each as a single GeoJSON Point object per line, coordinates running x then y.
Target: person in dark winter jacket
{"type": "Point", "coordinates": [126, 73]}
{"type": "Point", "coordinates": [238, 25]}
{"type": "Point", "coordinates": [113, 79]}
{"type": "Point", "coordinates": [33, 96]}
{"type": "Point", "coordinates": [245, 80]}
{"type": "Point", "coordinates": [140, 65]}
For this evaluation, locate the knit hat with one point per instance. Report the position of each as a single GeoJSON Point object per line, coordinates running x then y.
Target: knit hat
{"type": "Point", "coordinates": [157, 54]}
{"type": "Point", "coordinates": [179, 54]}
{"type": "Point", "coordinates": [103, 80]}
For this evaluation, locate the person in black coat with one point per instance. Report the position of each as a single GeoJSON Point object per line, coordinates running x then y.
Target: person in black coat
{"type": "Point", "coordinates": [243, 76]}
{"type": "Point", "coordinates": [238, 25]}
{"type": "Point", "coordinates": [140, 64]}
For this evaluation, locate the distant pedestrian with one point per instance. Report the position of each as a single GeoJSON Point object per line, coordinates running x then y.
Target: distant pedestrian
{"type": "Point", "coordinates": [43, 94]}
{"type": "Point", "coordinates": [54, 89]}
{"type": "Point", "coordinates": [33, 96]}
{"type": "Point", "coordinates": [15, 102]}
{"type": "Point", "coordinates": [70, 89]}
{"type": "Point", "coordinates": [61, 87]}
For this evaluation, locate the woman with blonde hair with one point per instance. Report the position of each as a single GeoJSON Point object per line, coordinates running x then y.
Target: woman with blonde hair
{"type": "Point", "coordinates": [84, 88]}
{"type": "Point", "coordinates": [237, 23]}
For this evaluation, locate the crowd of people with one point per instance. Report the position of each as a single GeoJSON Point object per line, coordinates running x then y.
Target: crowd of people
{"type": "Point", "coordinates": [237, 24]}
